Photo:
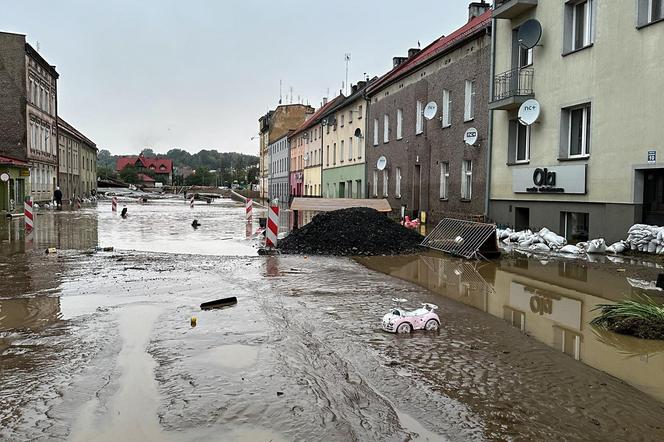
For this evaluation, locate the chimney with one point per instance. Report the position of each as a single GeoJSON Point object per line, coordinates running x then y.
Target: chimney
{"type": "Point", "coordinates": [361, 84]}
{"type": "Point", "coordinates": [353, 88]}
{"type": "Point", "coordinates": [324, 101]}
{"type": "Point", "coordinates": [475, 9]}
{"type": "Point", "coordinates": [396, 61]}
{"type": "Point", "coordinates": [413, 51]}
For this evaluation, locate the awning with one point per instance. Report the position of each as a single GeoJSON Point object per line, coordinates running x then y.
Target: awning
{"type": "Point", "coordinates": [329, 204]}
{"type": "Point", "coordinates": [12, 162]}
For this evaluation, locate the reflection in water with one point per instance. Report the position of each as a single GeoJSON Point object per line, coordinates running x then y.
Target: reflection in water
{"type": "Point", "coordinates": [550, 301]}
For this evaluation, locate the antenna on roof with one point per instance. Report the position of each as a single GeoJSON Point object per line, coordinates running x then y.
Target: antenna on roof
{"type": "Point", "coordinates": [347, 60]}
{"type": "Point", "coordinates": [291, 95]}
{"type": "Point", "coordinates": [37, 45]}
{"type": "Point", "coordinates": [418, 44]}
{"type": "Point", "coordinates": [279, 91]}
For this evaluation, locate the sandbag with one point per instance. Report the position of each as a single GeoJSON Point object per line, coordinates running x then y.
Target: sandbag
{"type": "Point", "coordinates": [539, 247]}
{"type": "Point", "coordinates": [574, 250]}
{"type": "Point", "coordinates": [616, 247]}
{"type": "Point", "coordinates": [596, 246]}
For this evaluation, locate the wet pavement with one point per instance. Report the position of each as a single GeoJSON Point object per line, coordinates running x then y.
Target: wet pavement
{"type": "Point", "coordinates": [99, 345]}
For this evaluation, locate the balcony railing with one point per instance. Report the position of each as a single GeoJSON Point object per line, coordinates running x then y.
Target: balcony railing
{"type": "Point", "coordinates": [514, 83]}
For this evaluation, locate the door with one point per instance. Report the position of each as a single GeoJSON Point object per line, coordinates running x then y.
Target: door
{"type": "Point", "coordinates": [653, 197]}
{"type": "Point", "coordinates": [342, 190]}
{"type": "Point", "coordinates": [521, 218]}
{"type": "Point", "coordinates": [416, 191]}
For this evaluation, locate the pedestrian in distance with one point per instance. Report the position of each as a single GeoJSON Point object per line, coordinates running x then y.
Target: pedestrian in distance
{"type": "Point", "coordinates": [57, 196]}
{"type": "Point", "coordinates": [123, 214]}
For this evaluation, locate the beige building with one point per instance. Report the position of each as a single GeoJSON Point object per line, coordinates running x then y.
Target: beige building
{"type": "Point", "coordinates": [77, 162]}
{"type": "Point", "coordinates": [592, 164]}
{"type": "Point", "coordinates": [344, 135]}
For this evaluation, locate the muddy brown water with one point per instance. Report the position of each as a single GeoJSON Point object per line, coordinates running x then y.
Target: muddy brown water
{"type": "Point", "coordinates": [99, 346]}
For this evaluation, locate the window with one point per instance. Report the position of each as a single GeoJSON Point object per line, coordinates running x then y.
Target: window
{"type": "Point", "coordinates": [374, 183]}
{"type": "Point", "coordinates": [359, 190]}
{"type": "Point", "coordinates": [397, 183]}
{"type": "Point", "coordinates": [386, 128]}
{"type": "Point", "coordinates": [385, 182]}
{"type": "Point", "coordinates": [327, 190]}
{"type": "Point", "coordinates": [578, 25]}
{"type": "Point", "coordinates": [574, 226]}
{"type": "Point", "coordinates": [327, 155]}
{"type": "Point", "coordinates": [375, 132]}
{"type": "Point", "coordinates": [444, 179]}
{"type": "Point", "coordinates": [359, 112]}
{"type": "Point", "coordinates": [342, 117]}
{"type": "Point", "coordinates": [350, 116]}
{"type": "Point", "coordinates": [341, 151]}
{"type": "Point", "coordinates": [466, 179]}
{"type": "Point", "coordinates": [525, 56]}
{"type": "Point", "coordinates": [447, 107]}
{"type": "Point", "coordinates": [522, 143]}
{"type": "Point", "coordinates": [350, 148]}
{"type": "Point", "coordinates": [578, 134]}
{"type": "Point", "coordinates": [650, 11]}
{"type": "Point", "coordinates": [469, 103]}
{"type": "Point", "coordinates": [399, 124]}
{"type": "Point", "coordinates": [418, 118]}
{"type": "Point", "coordinates": [334, 153]}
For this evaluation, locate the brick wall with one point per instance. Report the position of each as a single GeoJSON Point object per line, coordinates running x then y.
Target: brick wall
{"type": "Point", "coordinates": [13, 139]}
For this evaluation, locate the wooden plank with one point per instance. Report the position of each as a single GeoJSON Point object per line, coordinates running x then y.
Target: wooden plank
{"type": "Point", "coordinates": [329, 204]}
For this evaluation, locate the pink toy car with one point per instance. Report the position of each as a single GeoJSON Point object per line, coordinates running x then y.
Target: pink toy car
{"type": "Point", "coordinates": [405, 321]}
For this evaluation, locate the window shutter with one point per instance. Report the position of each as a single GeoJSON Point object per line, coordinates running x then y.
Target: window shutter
{"type": "Point", "coordinates": [511, 144]}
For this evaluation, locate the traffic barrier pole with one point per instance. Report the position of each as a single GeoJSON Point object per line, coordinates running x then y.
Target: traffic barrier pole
{"type": "Point", "coordinates": [114, 204]}
{"type": "Point", "coordinates": [249, 207]}
{"type": "Point", "coordinates": [28, 212]}
{"type": "Point", "coordinates": [272, 226]}
{"type": "Point", "coordinates": [191, 202]}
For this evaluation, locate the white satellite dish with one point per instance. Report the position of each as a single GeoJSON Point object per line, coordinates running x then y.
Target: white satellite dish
{"type": "Point", "coordinates": [381, 163]}
{"type": "Point", "coordinates": [430, 110]}
{"type": "Point", "coordinates": [529, 112]}
{"type": "Point", "coordinates": [306, 157]}
{"type": "Point", "coordinates": [471, 136]}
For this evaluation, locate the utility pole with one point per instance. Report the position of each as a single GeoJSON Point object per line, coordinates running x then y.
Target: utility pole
{"type": "Point", "coordinates": [347, 60]}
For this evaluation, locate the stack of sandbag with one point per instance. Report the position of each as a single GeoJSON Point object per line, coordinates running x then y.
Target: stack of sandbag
{"type": "Point", "coordinates": [542, 241]}
{"type": "Point", "coordinates": [645, 238]}
{"type": "Point", "coordinates": [596, 246]}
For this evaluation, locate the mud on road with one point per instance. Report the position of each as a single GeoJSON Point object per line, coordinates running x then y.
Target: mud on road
{"type": "Point", "coordinates": [299, 358]}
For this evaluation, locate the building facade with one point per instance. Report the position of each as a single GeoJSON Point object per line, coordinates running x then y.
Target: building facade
{"type": "Point", "coordinates": [28, 116]}
{"type": "Point", "coordinates": [274, 125]}
{"type": "Point", "coordinates": [77, 162]}
{"type": "Point", "coordinates": [591, 164]}
{"type": "Point", "coordinates": [279, 170]}
{"type": "Point", "coordinates": [423, 161]}
{"type": "Point", "coordinates": [13, 177]}
{"type": "Point", "coordinates": [344, 165]}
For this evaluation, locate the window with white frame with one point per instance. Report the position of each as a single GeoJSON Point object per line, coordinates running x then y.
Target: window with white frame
{"type": "Point", "coordinates": [447, 107]}
{"type": "Point", "coordinates": [374, 183]}
{"type": "Point", "coordinates": [399, 124]}
{"type": "Point", "coordinates": [466, 179]}
{"type": "Point", "coordinates": [469, 101]}
{"type": "Point", "coordinates": [522, 143]}
{"type": "Point", "coordinates": [341, 151]}
{"type": "Point", "coordinates": [342, 118]}
{"type": "Point", "coordinates": [444, 179]}
{"type": "Point", "coordinates": [350, 148]}
{"type": "Point", "coordinates": [359, 112]}
{"type": "Point", "coordinates": [419, 127]}
{"type": "Point", "coordinates": [350, 116]}
{"type": "Point", "coordinates": [327, 155]}
{"type": "Point", "coordinates": [385, 183]}
{"type": "Point", "coordinates": [397, 183]}
{"type": "Point", "coordinates": [579, 131]}
{"type": "Point", "coordinates": [579, 24]}
{"type": "Point", "coordinates": [650, 11]}
{"type": "Point", "coordinates": [334, 153]}
{"type": "Point", "coordinates": [386, 128]}
{"type": "Point", "coordinates": [525, 56]}
{"type": "Point", "coordinates": [375, 132]}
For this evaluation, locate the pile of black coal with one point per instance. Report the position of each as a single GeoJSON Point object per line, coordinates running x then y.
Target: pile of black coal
{"type": "Point", "coordinates": [351, 232]}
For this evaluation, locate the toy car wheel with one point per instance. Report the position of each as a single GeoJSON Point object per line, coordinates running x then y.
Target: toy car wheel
{"type": "Point", "coordinates": [404, 327]}
{"type": "Point", "coordinates": [431, 325]}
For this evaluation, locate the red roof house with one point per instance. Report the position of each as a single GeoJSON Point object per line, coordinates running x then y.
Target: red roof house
{"type": "Point", "coordinates": [162, 167]}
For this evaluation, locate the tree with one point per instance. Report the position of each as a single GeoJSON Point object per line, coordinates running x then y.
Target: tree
{"type": "Point", "coordinates": [129, 175]}
{"type": "Point", "coordinates": [106, 172]}
{"type": "Point", "coordinates": [105, 159]}
{"type": "Point", "coordinates": [147, 152]}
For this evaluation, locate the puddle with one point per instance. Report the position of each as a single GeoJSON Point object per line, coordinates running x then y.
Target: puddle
{"type": "Point", "coordinates": [551, 301]}
{"type": "Point", "coordinates": [230, 356]}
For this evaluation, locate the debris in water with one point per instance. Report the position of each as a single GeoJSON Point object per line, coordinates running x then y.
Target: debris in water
{"type": "Point", "coordinates": [193, 321]}
{"type": "Point", "coordinates": [219, 303]}
{"type": "Point", "coordinates": [280, 393]}
{"type": "Point", "coordinates": [103, 249]}
{"type": "Point", "coordinates": [351, 232]}
{"type": "Point", "coordinates": [643, 319]}
{"type": "Point", "coordinates": [51, 250]}
{"type": "Point", "coordinates": [195, 224]}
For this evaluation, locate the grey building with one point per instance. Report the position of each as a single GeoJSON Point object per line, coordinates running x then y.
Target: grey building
{"type": "Point", "coordinates": [28, 113]}
{"type": "Point", "coordinates": [279, 170]}
{"type": "Point", "coordinates": [430, 167]}
{"type": "Point", "coordinates": [77, 165]}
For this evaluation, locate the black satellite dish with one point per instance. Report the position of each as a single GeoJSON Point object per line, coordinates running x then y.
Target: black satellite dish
{"type": "Point", "coordinates": [529, 33]}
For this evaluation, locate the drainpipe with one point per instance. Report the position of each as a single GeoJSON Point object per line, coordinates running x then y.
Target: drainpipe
{"type": "Point", "coordinates": [489, 146]}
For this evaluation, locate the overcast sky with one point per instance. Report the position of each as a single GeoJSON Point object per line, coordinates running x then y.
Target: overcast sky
{"type": "Point", "coordinates": [197, 74]}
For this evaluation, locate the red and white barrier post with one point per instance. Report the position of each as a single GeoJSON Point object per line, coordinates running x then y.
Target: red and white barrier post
{"type": "Point", "coordinates": [29, 215]}
{"type": "Point", "coordinates": [191, 202]}
{"type": "Point", "coordinates": [114, 204]}
{"type": "Point", "coordinates": [272, 226]}
{"type": "Point", "coordinates": [249, 207]}
{"type": "Point", "coordinates": [78, 203]}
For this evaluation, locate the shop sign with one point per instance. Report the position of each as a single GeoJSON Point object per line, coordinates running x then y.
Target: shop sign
{"type": "Point", "coordinates": [550, 179]}
{"type": "Point", "coordinates": [25, 172]}
{"type": "Point", "coordinates": [652, 156]}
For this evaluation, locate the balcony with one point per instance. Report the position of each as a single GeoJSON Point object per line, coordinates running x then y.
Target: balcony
{"type": "Point", "coordinates": [512, 88]}
{"type": "Point", "coordinates": [509, 9]}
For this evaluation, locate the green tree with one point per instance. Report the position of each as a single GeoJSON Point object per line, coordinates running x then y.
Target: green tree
{"type": "Point", "coordinates": [129, 175]}
{"type": "Point", "coordinates": [147, 152]}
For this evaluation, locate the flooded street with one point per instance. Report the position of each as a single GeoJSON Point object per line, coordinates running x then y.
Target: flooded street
{"type": "Point", "coordinates": [100, 346]}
